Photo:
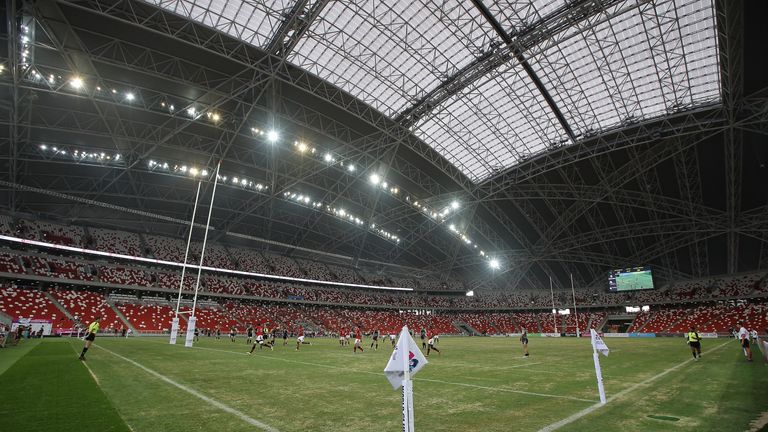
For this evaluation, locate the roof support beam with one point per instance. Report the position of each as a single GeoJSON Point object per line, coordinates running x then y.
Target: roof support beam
{"type": "Point", "coordinates": [295, 25]}
{"type": "Point", "coordinates": [518, 52]}
{"type": "Point", "coordinates": [730, 24]}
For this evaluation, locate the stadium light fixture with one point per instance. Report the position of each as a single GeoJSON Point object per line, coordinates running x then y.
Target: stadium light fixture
{"type": "Point", "coordinates": [470, 293]}
{"type": "Point", "coordinates": [351, 168]}
{"type": "Point", "coordinates": [375, 179]}
{"type": "Point", "coordinates": [76, 83]}
{"type": "Point", "coordinates": [494, 263]}
{"type": "Point", "coordinates": [273, 136]}
{"type": "Point", "coordinates": [302, 147]}
{"type": "Point", "coordinates": [328, 157]}
{"type": "Point", "coordinates": [455, 205]}
{"type": "Point", "coordinates": [129, 96]}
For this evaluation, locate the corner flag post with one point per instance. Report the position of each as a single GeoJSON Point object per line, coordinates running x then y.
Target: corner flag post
{"type": "Point", "coordinates": [408, 425]}
{"type": "Point", "coordinates": [598, 344]}
{"type": "Point", "coordinates": [406, 361]}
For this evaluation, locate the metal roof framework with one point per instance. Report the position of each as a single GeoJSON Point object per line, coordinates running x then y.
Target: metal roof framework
{"type": "Point", "coordinates": [431, 121]}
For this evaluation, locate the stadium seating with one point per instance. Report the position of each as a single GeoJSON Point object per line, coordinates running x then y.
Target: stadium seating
{"type": "Point", "coordinates": [33, 304]}
{"type": "Point", "coordinates": [85, 306]}
{"type": "Point", "coordinates": [251, 261]}
{"type": "Point", "coordinates": [344, 274]}
{"type": "Point", "coordinates": [314, 270]}
{"type": "Point", "coordinates": [124, 276]}
{"type": "Point", "coordinates": [284, 266]}
{"type": "Point", "coordinates": [9, 263]}
{"type": "Point", "coordinates": [119, 242]}
{"type": "Point", "coordinates": [148, 316]}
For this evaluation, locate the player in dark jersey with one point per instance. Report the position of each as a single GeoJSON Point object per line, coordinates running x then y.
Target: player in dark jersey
{"type": "Point", "coordinates": [249, 335]}
{"type": "Point", "coordinates": [285, 337]}
{"type": "Point", "coordinates": [232, 334]}
{"type": "Point", "coordinates": [375, 342]}
{"type": "Point", "coordinates": [423, 338]}
{"type": "Point", "coordinates": [524, 342]}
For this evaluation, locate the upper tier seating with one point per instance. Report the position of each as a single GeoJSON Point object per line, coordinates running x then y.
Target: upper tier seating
{"type": "Point", "coordinates": [119, 242]}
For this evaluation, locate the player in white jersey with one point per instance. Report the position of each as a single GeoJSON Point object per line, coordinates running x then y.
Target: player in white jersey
{"type": "Point", "coordinates": [744, 340]}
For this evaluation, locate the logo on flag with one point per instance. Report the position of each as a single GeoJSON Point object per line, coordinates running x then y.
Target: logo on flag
{"type": "Point", "coordinates": [395, 369]}
{"type": "Point", "coordinates": [598, 344]}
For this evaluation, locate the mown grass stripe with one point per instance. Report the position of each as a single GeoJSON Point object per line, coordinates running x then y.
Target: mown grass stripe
{"type": "Point", "coordinates": [49, 390]}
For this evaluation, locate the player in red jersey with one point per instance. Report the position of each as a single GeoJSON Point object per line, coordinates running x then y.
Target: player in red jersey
{"type": "Point", "coordinates": [259, 340]}
{"type": "Point", "coordinates": [358, 341]}
{"type": "Point", "coordinates": [341, 337]}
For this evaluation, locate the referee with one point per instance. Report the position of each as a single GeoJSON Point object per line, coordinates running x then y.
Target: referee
{"type": "Point", "coordinates": [694, 341]}
{"type": "Point", "coordinates": [93, 328]}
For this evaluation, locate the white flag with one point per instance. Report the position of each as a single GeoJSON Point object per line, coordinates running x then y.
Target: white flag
{"type": "Point", "coordinates": [396, 367]}
{"type": "Point", "coordinates": [598, 344]}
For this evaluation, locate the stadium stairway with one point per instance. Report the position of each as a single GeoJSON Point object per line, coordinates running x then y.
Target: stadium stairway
{"type": "Point", "coordinates": [122, 317]}
{"type": "Point", "coordinates": [59, 306]}
{"type": "Point", "coordinates": [599, 325]}
{"type": "Point", "coordinates": [463, 327]}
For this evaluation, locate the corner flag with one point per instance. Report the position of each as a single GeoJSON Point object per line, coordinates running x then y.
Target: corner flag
{"type": "Point", "coordinates": [598, 344]}
{"type": "Point", "coordinates": [395, 369]}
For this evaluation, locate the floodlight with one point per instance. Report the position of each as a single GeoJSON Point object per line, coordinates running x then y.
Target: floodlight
{"type": "Point", "coordinates": [470, 293]}
{"type": "Point", "coordinates": [455, 205]}
{"type": "Point", "coordinates": [351, 168]}
{"type": "Point", "coordinates": [216, 117]}
{"type": "Point", "coordinates": [193, 171]}
{"type": "Point", "coordinates": [328, 157]}
{"type": "Point", "coordinates": [191, 111]}
{"type": "Point", "coordinates": [43, 147]}
{"type": "Point", "coordinates": [375, 179]}
{"type": "Point", "coordinates": [494, 263]}
{"type": "Point", "coordinates": [129, 96]}
{"type": "Point", "coordinates": [273, 136]}
{"type": "Point", "coordinates": [76, 83]}
{"type": "Point", "coordinates": [302, 147]}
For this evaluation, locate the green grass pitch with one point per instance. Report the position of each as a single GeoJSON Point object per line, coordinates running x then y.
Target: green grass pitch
{"type": "Point", "coordinates": [477, 384]}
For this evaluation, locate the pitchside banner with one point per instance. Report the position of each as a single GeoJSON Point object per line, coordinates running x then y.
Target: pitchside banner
{"type": "Point", "coordinates": [35, 325]}
{"type": "Point", "coordinates": [708, 335]}
{"type": "Point", "coordinates": [550, 334]}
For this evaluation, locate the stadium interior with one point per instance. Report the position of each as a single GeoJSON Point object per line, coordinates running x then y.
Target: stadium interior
{"type": "Point", "coordinates": [475, 168]}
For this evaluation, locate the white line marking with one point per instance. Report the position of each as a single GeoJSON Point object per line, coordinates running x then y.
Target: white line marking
{"type": "Point", "coordinates": [195, 393]}
{"type": "Point", "coordinates": [588, 410]}
{"type": "Point", "coordinates": [505, 390]}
